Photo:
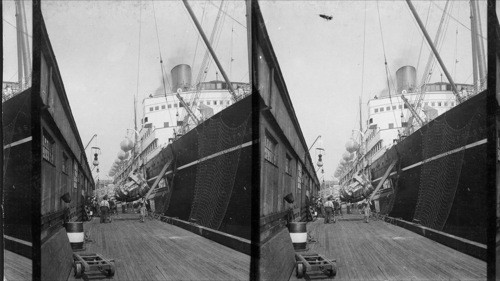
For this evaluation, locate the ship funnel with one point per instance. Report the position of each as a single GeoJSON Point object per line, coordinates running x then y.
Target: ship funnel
{"type": "Point", "coordinates": [181, 77]}
{"type": "Point", "coordinates": [406, 79]}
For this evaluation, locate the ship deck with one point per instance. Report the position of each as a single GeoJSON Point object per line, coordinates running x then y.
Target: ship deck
{"type": "Point", "coordinates": [156, 250]}
{"type": "Point", "coordinates": [381, 251]}
{"type": "Point", "coordinates": [16, 267]}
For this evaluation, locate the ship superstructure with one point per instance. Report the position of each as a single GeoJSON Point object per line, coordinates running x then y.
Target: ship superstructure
{"type": "Point", "coordinates": [165, 117]}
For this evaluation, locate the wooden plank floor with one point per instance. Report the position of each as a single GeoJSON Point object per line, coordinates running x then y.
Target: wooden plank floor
{"type": "Point", "coordinates": [16, 267]}
{"type": "Point", "coordinates": [381, 251]}
{"type": "Point", "coordinates": [155, 250]}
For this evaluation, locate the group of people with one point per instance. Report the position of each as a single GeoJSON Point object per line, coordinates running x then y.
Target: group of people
{"type": "Point", "coordinates": [332, 207]}
{"type": "Point", "coordinates": [107, 207]}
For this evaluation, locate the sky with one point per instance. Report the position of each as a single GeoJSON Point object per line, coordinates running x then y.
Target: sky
{"type": "Point", "coordinates": [97, 49]}
{"type": "Point", "coordinates": [328, 65]}
{"type": "Point", "coordinates": [97, 44]}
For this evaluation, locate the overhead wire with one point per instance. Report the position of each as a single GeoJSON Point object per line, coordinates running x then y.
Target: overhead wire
{"type": "Point", "coordinates": [385, 61]}
{"type": "Point", "coordinates": [163, 76]}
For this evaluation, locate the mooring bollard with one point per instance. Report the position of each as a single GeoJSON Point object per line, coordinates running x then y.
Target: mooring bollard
{"type": "Point", "coordinates": [75, 235]}
{"type": "Point", "coordinates": [298, 233]}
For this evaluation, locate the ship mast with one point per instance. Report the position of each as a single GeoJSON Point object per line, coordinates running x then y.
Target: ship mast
{"type": "Point", "coordinates": [23, 53]}
{"type": "Point", "coordinates": [478, 57]}
{"type": "Point", "coordinates": [212, 52]}
{"type": "Point", "coordinates": [438, 57]}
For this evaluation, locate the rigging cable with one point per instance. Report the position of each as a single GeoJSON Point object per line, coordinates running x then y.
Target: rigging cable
{"type": "Point", "coordinates": [163, 77]}
{"type": "Point", "coordinates": [363, 69]}
{"type": "Point", "coordinates": [422, 36]}
{"type": "Point", "coordinates": [138, 72]}
{"type": "Point", "coordinates": [198, 38]}
{"type": "Point", "coordinates": [385, 63]}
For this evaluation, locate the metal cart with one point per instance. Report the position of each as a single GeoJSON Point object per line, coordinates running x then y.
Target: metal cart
{"type": "Point", "coordinates": [93, 264]}
{"type": "Point", "coordinates": [314, 265]}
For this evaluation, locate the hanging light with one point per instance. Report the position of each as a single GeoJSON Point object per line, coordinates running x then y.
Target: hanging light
{"type": "Point", "coordinates": [320, 161]}
{"type": "Point", "coordinates": [126, 144]}
{"type": "Point", "coordinates": [95, 162]}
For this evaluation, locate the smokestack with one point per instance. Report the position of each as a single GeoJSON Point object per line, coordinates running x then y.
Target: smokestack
{"type": "Point", "coordinates": [406, 79]}
{"type": "Point", "coordinates": [181, 77]}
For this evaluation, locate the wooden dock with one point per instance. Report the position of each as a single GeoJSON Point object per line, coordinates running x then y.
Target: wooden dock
{"type": "Point", "coordinates": [16, 267]}
{"type": "Point", "coordinates": [381, 251]}
{"type": "Point", "coordinates": [156, 250]}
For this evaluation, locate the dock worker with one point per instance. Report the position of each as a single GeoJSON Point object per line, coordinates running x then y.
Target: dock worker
{"type": "Point", "coordinates": [104, 207]}
{"type": "Point", "coordinates": [142, 206]}
{"type": "Point", "coordinates": [367, 211]}
{"type": "Point", "coordinates": [329, 210]}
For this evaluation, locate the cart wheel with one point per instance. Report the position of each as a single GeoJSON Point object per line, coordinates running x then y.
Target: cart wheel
{"type": "Point", "coordinates": [333, 271]}
{"type": "Point", "coordinates": [78, 270]}
{"type": "Point", "coordinates": [300, 270]}
{"type": "Point", "coordinates": [111, 270]}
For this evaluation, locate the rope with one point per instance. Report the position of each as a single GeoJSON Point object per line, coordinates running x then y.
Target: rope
{"type": "Point", "coordinates": [198, 38]}
{"type": "Point", "coordinates": [385, 63]}
{"type": "Point", "coordinates": [138, 59]}
{"type": "Point", "coordinates": [422, 41]}
{"type": "Point", "coordinates": [230, 16]}
{"type": "Point", "coordinates": [363, 64]}
{"type": "Point", "coordinates": [163, 77]}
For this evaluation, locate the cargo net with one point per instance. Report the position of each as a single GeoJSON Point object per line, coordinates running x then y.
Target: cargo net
{"type": "Point", "coordinates": [215, 177]}
{"type": "Point", "coordinates": [439, 177]}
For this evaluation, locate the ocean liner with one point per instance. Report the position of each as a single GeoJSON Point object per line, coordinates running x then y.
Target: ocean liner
{"type": "Point", "coordinates": [192, 154]}
{"type": "Point", "coordinates": [431, 168]}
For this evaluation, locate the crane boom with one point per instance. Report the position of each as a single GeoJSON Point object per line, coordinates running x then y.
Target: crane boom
{"type": "Point", "coordinates": [412, 110]}
{"type": "Point", "coordinates": [188, 110]}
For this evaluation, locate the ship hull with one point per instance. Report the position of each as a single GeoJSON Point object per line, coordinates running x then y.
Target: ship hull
{"type": "Point", "coordinates": [17, 182]}
{"type": "Point", "coordinates": [440, 179]}
{"type": "Point", "coordinates": [208, 181]}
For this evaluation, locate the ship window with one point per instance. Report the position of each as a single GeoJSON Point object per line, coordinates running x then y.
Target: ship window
{"type": "Point", "coordinates": [376, 110]}
{"type": "Point", "coordinates": [439, 103]}
{"type": "Point", "coordinates": [426, 104]}
{"type": "Point", "coordinates": [169, 106]}
{"type": "Point", "coordinates": [381, 109]}
{"type": "Point", "coordinates": [157, 107]}
{"type": "Point", "coordinates": [371, 120]}
{"type": "Point", "coordinates": [165, 124]}
{"type": "Point", "coordinates": [219, 86]}
{"type": "Point", "coordinates": [175, 105]}
{"type": "Point", "coordinates": [48, 148]}
{"type": "Point", "coordinates": [64, 167]}
{"type": "Point", "coordinates": [452, 104]}
{"type": "Point", "coordinates": [150, 109]}
{"type": "Point", "coordinates": [221, 102]}
{"type": "Point", "coordinates": [288, 164]}
{"type": "Point", "coordinates": [270, 153]}
{"type": "Point", "coordinates": [163, 107]}
{"type": "Point", "coordinates": [188, 104]}
{"type": "Point", "coordinates": [179, 123]}
{"type": "Point", "coordinates": [208, 102]}
{"type": "Point", "coordinates": [145, 119]}
{"type": "Point", "coordinates": [227, 102]}
{"type": "Point", "coordinates": [201, 102]}
{"type": "Point", "coordinates": [393, 107]}
{"type": "Point", "coordinates": [400, 106]}
{"type": "Point", "coordinates": [299, 175]}
{"type": "Point", "coordinates": [215, 102]}
{"type": "Point", "coordinates": [445, 104]}
{"type": "Point", "coordinates": [181, 105]}
{"type": "Point", "coordinates": [433, 104]}
{"type": "Point", "coordinates": [391, 125]}
{"type": "Point", "coordinates": [388, 108]}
